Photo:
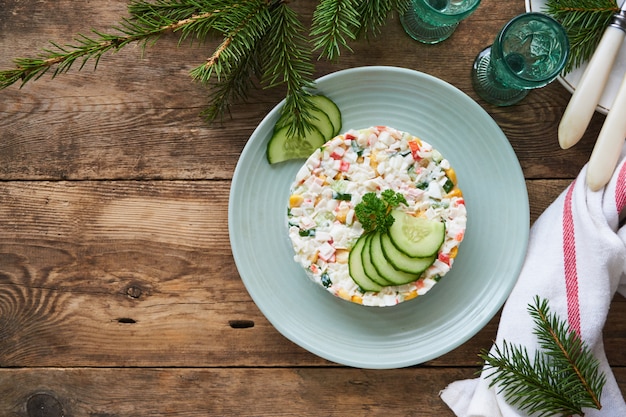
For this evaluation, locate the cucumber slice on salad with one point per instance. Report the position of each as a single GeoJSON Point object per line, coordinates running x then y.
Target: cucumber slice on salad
{"type": "Point", "coordinates": [356, 270]}
{"type": "Point", "coordinates": [385, 268]}
{"type": "Point", "coordinates": [366, 259]}
{"type": "Point", "coordinates": [400, 260]}
{"type": "Point", "coordinates": [283, 147]}
{"type": "Point", "coordinates": [417, 237]}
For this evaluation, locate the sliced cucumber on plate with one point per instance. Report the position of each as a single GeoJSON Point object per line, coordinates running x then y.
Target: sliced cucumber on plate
{"type": "Point", "coordinates": [326, 125]}
{"type": "Point", "coordinates": [283, 147]}
{"type": "Point", "coordinates": [398, 256]}
{"type": "Point", "coordinates": [331, 110]}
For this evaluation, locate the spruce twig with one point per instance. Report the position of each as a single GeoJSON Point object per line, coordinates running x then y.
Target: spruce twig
{"type": "Point", "coordinates": [374, 13]}
{"type": "Point", "coordinates": [260, 40]}
{"type": "Point", "coordinates": [63, 57]}
{"type": "Point", "coordinates": [233, 64]}
{"type": "Point", "coordinates": [585, 22]}
{"type": "Point", "coordinates": [288, 62]}
{"type": "Point", "coordinates": [335, 24]}
{"type": "Point", "coordinates": [563, 378]}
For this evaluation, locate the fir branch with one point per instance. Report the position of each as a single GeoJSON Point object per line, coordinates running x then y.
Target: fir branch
{"type": "Point", "coordinates": [374, 14]}
{"type": "Point", "coordinates": [86, 48]}
{"type": "Point", "coordinates": [567, 351]}
{"type": "Point", "coordinates": [234, 63]}
{"type": "Point", "coordinates": [335, 24]}
{"type": "Point", "coordinates": [175, 10]}
{"type": "Point", "coordinates": [562, 379]}
{"type": "Point", "coordinates": [585, 22]}
{"type": "Point", "coordinates": [233, 86]}
{"type": "Point", "coordinates": [243, 28]}
{"type": "Point", "coordinates": [260, 39]}
{"type": "Point", "coordinates": [288, 62]}
{"type": "Point", "coordinates": [338, 22]}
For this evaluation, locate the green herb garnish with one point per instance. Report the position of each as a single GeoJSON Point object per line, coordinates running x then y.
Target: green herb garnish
{"type": "Point", "coordinates": [373, 212]}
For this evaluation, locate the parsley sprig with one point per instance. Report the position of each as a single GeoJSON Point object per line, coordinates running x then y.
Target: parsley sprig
{"type": "Point", "coordinates": [373, 212]}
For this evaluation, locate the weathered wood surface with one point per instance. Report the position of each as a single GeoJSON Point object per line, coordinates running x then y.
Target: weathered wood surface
{"type": "Point", "coordinates": [119, 295]}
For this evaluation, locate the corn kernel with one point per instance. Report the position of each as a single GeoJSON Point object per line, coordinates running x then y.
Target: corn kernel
{"type": "Point", "coordinates": [373, 161]}
{"type": "Point", "coordinates": [342, 256]}
{"type": "Point", "coordinates": [295, 200]}
{"type": "Point", "coordinates": [451, 174]}
{"type": "Point", "coordinates": [410, 295]}
{"type": "Point", "coordinates": [456, 192]}
{"type": "Point", "coordinates": [342, 214]}
{"type": "Point", "coordinates": [453, 252]}
{"type": "Point", "coordinates": [344, 294]}
{"type": "Point", "coordinates": [356, 299]}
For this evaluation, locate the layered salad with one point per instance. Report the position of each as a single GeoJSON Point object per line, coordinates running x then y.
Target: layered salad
{"type": "Point", "coordinates": [376, 216]}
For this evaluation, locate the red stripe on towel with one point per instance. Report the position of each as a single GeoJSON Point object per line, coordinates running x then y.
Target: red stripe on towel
{"type": "Point", "coordinates": [620, 189]}
{"type": "Point", "coordinates": [569, 261]}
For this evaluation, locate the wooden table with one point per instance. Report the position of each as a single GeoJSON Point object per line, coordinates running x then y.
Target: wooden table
{"type": "Point", "coordinates": [119, 295]}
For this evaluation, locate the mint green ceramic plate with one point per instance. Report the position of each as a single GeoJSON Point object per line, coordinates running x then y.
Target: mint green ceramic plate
{"type": "Point", "coordinates": [489, 260]}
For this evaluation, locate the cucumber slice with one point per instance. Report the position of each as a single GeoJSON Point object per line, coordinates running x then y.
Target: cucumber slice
{"type": "Point", "coordinates": [368, 266]}
{"type": "Point", "coordinates": [356, 270]}
{"type": "Point", "coordinates": [283, 147]}
{"type": "Point", "coordinates": [330, 108]}
{"type": "Point", "coordinates": [417, 237]}
{"type": "Point", "coordinates": [319, 119]}
{"type": "Point", "coordinates": [400, 260]}
{"type": "Point", "coordinates": [386, 269]}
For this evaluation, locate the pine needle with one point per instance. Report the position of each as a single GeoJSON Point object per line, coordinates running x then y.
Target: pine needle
{"type": "Point", "coordinates": [288, 62]}
{"type": "Point", "coordinates": [562, 379]}
{"type": "Point", "coordinates": [584, 22]}
{"type": "Point", "coordinates": [374, 14]}
{"type": "Point", "coordinates": [335, 24]}
{"type": "Point", "coordinates": [259, 40]}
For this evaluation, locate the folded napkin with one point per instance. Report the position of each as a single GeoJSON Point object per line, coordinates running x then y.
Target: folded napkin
{"type": "Point", "coordinates": [576, 260]}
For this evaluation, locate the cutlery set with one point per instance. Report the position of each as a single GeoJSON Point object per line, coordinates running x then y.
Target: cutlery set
{"type": "Point", "coordinates": [585, 99]}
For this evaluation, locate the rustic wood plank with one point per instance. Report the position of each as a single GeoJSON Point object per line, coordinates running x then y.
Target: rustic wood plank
{"type": "Point", "coordinates": [136, 273]}
{"type": "Point", "coordinates": [127, 273]}
{"type": "Point", "coordinates": [234, 392]}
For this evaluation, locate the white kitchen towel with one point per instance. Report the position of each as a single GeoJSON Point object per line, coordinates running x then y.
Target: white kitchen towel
{"type": "Point", "coordinates": [576, 260]}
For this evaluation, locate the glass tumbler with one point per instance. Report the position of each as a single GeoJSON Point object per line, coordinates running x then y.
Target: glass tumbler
{"type": "Point", "coordinates": [529, 52]}
{"type": "Point", "coordinates": [432, 21]}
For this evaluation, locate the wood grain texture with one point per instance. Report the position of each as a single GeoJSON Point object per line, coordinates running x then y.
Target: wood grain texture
{"type": "Point", "coordinates": [314, 392]}
{"type": "Point", "coordinates": [235, 392]}
{"type": "Point", "coordinates": [90, 272]}
{"type": "Point", "coordinates": [119, 295]}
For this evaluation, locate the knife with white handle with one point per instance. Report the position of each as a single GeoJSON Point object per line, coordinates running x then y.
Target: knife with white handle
{"type": "Point", "coordinates": [587, 94]}
{"type": "Point", "coordinates": [609, 145]}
